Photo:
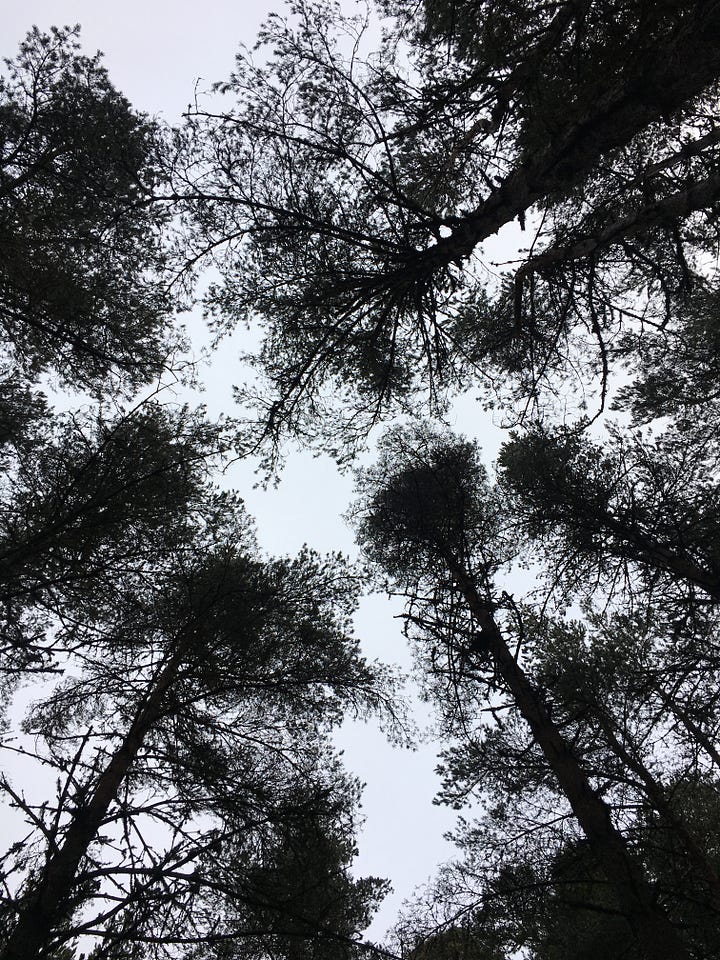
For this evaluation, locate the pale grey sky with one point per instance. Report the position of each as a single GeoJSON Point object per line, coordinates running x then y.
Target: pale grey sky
{"type": "Point", "coordinates": [156, 51]}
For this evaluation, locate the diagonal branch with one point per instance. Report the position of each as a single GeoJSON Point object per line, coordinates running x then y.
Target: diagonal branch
{"type": "Point", "coordinates": [669, 210]}
{"type": "Point", "coordinates": [687, 64]}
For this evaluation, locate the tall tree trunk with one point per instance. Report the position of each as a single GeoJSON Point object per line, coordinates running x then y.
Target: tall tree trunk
{"type": "Point", "coordinates": [656, 936]}
{"type": "Point", "coordinates": [42, 908]}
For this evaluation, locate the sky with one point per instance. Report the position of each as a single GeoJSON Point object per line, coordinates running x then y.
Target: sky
{"type": "Point", "coordinates": [158, 53]}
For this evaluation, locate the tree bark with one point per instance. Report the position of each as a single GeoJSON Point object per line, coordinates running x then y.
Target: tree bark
{"type": "Point", "coordinates": [42, 908]}
{"type": "Point", "coordinates": [656, 936]}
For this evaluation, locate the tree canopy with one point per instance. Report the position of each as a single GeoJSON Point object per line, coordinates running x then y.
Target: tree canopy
{"type": "Point", "coordinates": [190, 739]}
{"type": "Point", "coordinates": [173, 789]}
{"type": "Point", "coordinates": [562, 606]}
{"type": "Point", "coordinates": [346, 200]}
{"type": "Point", "coordinates": [82, 295]}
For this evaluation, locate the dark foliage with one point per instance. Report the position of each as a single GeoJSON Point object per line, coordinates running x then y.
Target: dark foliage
{"type": "Point", "coordinates": [345, 202]}
{"type": "Point", "coordinates": [81, 294]}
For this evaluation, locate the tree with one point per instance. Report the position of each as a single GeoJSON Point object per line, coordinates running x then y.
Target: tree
{"type": "Point", "coordinates": [635, 522]}
{"type": "Point", "coordinates": [641, 513]}
{"type": "Point", "coordinates": [199, 809]}
{"type": "Point", "coordinates": [195, 776]}
{"type": "Point", "coordinates": [81, 290]}
{"type": "Point", "coordinates": [456, 942]}
{"type": "Point", "coordinates": [345, 202]}
{"type": "Point", "coordinates": [82, 303]}
{"type": "Point", "coordinates": [88, 501]}
{"type": "Point", "coordinates": [429, 519]}
{"type": "Point", "coordinates": [576, 917]}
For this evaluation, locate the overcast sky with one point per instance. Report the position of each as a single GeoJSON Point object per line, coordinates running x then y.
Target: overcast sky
{"type": "Point", "coordinates": [156, 51]}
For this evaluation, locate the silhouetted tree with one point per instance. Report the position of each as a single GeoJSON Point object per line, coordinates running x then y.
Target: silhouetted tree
{"type": "Point", "coordinates": [639, 513]}
{"type": "Point", "coordinates": [86, 503]}
{"type": "Point", "coordinates": [346, 201]}
{"type": "Point", "coordinates": [429, 519]}
{"type": "Point", "coordinates": [190, 741]}
{"type": "Point", "coordinates": [81, 296]}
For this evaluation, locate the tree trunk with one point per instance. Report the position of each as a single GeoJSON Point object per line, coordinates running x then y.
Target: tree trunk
{"type": "Point", "coordinates": [655, 555]}
{"type": "Point", "coordinates": [645, 549]}
{"type": "Point", "coordinates": [667, 210]}
{"type": "Point", "coordinates": [656, 936]}
{"type": "Point", "coordinates": [42, 908]}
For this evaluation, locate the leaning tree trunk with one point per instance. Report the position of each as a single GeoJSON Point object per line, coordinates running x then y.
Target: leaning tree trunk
{"type": "Point", "coordinates": [696, 732]}
{"type": "Point", "coordinates": [44, 905]}
{"type": "Point", "coordinates": [649, 551]}
{"type": "Point", "coordinates": [656, 936]}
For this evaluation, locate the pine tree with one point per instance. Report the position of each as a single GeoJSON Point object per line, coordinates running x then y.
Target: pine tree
{"type": "Point", "coordinates": [429, 519]}
{"type": "Point", "coordinates": [188, 686]}
{"type": "Point", "coordinates": [81, 293]}
{"type": "Point", "coordinates": [87, 503]}
{"type": "Point", "coordinates": [346, 203]}
{"type": "Point", "coordinates": [195, 778]}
